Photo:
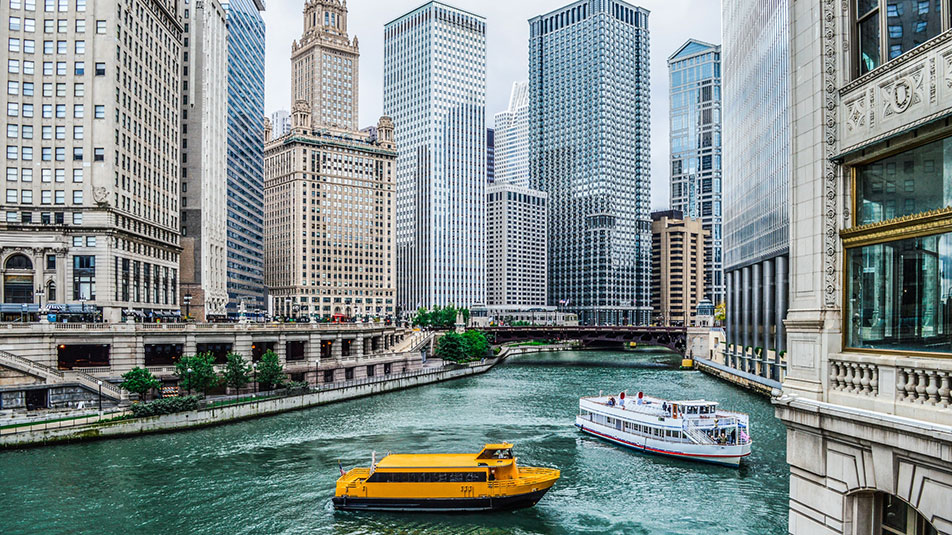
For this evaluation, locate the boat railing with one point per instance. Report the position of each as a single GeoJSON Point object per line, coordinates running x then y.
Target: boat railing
{"type": "Point", "coordinates": [696, 434]}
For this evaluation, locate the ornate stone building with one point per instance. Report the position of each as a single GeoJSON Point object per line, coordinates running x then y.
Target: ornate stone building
{"type": "Point", "coordinates": [866, 398]}
{"type": "Point", "coordinates": [329, 188]}
{"type": "Point", "coordinates": [89, 219]}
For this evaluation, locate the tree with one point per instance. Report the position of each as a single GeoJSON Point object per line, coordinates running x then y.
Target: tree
{"type": "Point", "coordinates": [202, 374]}
{"type": "Point", "coordinates": [270, 371]}
{"type": "Point", "coordinates": [237, 372]}
{"type": "Point", "coordinates": [465, 312]}
{"type": "Point", "coordinates": [720, 311]}
{"type": "Point", "coordinates": [139, 381]}
{"type": "Point", "coordinates": [422, 317]}
{"type": "Point", "coordinates": [477, 344]}
{"type": "Point", "coordinates": [452, 347]}
{"type": "Point", "coordinates": [448, 317]}
{"type": "Point", "coordinates": [436, 317]}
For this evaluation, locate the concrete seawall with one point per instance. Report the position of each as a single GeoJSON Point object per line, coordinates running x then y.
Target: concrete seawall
{"type": "Point", "coordinates": [755, 383]}
{"type": "Point", "coordinates": [231, 413]}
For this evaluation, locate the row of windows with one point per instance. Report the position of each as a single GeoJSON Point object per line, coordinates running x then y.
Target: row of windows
{"type": "Point", "coordinates": [50, 5]}
{"type": "Point", "coordinates": [427, 477]}
{"type": "Point", "coordinates": [46, 196]}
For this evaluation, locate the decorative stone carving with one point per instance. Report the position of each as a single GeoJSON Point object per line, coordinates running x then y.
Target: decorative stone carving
{"type": "Point", "coordinates": [830, 169]}
{"type": "Point", "coordinates": [100, 195]}
{"type": "Point", "coordinates": [901, 93]}
{"type": "Point", "coordinates": [856, 112]}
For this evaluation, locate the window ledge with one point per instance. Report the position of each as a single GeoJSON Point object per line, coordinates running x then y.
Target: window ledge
{"type": "Point", "coordinates": [910, 226]}
{"type": "Point", "coordinates": [899, 62]}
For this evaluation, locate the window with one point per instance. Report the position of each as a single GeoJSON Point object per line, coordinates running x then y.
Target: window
{"type": "Point", "coordinates": [100, 26]}
{"type": "Point", "coordinates": [78, 132]}
{"type": "Point", "coordinates": [84, 277]}
{"type": "Point", "coordinates": [914, 181]}
{"type": "Point", "coordinates": [60, 196]}
{"type": "Point", "coordinates": [100, 69]}
{"type": "Point", "coordinates": [79, 68]}
{"type": "Point", "coordinates": [80, 26]}
{"type": "Point", "coordinates": [11, 196]}
{"type": "Point", "coordinates": [13, 45]}
{"type": "Point", "coordinates": [26, 196]}
{"type": "Point", "coordinates": [29, 46]}
{"type": "Point", "coordinates": [99, 154]}
{"type": "Point", "coordinates": [77, 175]}
{"type": "Point", "coordinates": [77, 154]}
{"type": "Point", "coordinates": [50, 258]}
{"type": "Point", "coordinates": [907, 23]}
{"type": "Point", "coordinates": [46, 197]}
{"type": "Point", "coordinates": [28, 89]}
{"type": "Point", "coordinates": [15, 24]}
{"type": "Point", "coordinates": [100, 111]}
{"type": "Point", "coordinates": [78, 196]}
{"type": "Point", "coordinates": [79, 90]}
{"type": "Point", "coordinates": [77, 218]}
{"type": "Point", "coordinates": [80, 46]}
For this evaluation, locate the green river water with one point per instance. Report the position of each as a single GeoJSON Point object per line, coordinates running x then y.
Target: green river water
{"type": "Point", "coordinates": [276, 475]}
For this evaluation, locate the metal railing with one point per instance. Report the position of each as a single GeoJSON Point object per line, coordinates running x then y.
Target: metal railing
{"type": "Point", "coordinates": [66, 422]}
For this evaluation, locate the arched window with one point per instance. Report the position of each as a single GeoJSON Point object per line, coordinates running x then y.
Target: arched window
{"type": "Point", "coordinates": [882, 513]}
{"type": "Point", "coordinates": [19, 261]}
{"type": "Point", "coordinates": [51, 292]}
{"type": "Point", "coordinates": [18, 287]}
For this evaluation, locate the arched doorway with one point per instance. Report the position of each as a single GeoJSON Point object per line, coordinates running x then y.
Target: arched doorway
{"type": "Point", "coordinates": [881, 513]}
{"type": "Point", "coordinates": [18, 279]}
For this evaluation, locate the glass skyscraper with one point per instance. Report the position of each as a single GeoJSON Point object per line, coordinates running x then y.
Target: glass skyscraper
{"type": "Point", "coordinates": [695, 77]}
{"type": "Point", "coordinates": [757, 175]}
{"type": "Point", "coordinates": [245, 155]}
{"type": "Point", "coordinates": [435, 92]}
{"type": "Point", "coordinates": [512, 138]}
{"type": "Point", "coordinates": [589, 150]}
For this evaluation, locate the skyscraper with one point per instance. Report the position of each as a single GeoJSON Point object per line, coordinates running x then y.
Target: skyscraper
{"type": "Point", "coordinates": [515, 246]}
{"type": "Point", "coordinates": [90, 219]}
{"type": "Point", "coordinates": [512, 138]}
{"type": "Point", "coordinates": [204, 192]}
{"type": "Point", "coordinates": [589, 150]}
{"type": "Point", "coordinates": [756, 177]}
{"type": "Point", "coordinates": [695, 77]}
{"type": "Point", "coordinates": [490, 155]}
{"type": "Point", "coordinates": [332, 185]}
{"type": "Point", "coordinates": [245, 155]}
{"type": "Point", "coordinates": [280, 123]}
{"type": "Point", "coordinates": [435, 91]}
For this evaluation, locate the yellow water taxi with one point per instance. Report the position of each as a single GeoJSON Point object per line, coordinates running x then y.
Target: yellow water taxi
{"type": "Point", "coordinates": [484, 481]}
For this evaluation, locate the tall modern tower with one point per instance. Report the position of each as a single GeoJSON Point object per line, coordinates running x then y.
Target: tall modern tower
{"type": "Point", "coordinates": [512, 138]}
{"type": "Point", "coordinates": [435, 91]}
{"type": "Point", "coordinates": [757, 173]}
{"type": "Point", "coordinates": [695, 77]}
{"type": "Point", "coordinates": [245, 155]}
{"type": "Point", "coordinates": [589, 150]}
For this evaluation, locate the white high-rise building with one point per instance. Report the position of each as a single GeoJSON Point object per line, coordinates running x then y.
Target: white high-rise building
{"type": "Point", "coordinates": [515, 245]}
{"type": "Point", "coordinates": [435, 91]}
{"type": "Point", "coordinates": [512, 138]}
{"type": "Point", "coordinates": [280, 124]}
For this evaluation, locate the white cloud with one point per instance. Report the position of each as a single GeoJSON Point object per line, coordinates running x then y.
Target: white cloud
{"type": "Point", "coordinates": [671, 23]}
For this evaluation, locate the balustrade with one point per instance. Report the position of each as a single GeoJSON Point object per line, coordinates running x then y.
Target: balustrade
{"type": "Point", "coordinates": [854, 377]}
{"type": "Point", "coordinates": [923, 386]}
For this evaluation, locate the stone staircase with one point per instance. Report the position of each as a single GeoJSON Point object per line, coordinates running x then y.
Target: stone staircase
{"type": "Point", "coordinates": [412, 342]}
{"type": "Point", "coordinates": [53, 376]}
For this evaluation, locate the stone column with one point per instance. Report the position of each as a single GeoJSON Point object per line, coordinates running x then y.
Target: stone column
{"type": "Point", "coordinates": [768, 310]}
{"type": "Point", "coordinates": [728, 285]}
{"type": "Point", "coordinates": [357, 347]}
{"type": "Point", "coordinates": [755, 319]}
{"type": "Point", "coordinates": [337, 348]}
{"type": "Point", "coordinates": [745, 325]}
{"type": "Point", "coordinates": [781, 302]}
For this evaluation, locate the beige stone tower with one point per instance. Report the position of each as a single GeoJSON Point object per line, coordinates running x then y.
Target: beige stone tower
{"type": "Point", "coordinates": [324, 65]}
{"type": "Point", "coordinates": [677, 267]}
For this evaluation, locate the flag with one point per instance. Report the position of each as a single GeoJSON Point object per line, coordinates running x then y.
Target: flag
{"type": "Point", "coordinates": [341, 467]}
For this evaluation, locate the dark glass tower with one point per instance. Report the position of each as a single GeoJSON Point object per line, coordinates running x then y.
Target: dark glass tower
{"type": "Point", "coordinates": [589, 150]}
{"type": "Point", "coordinates": [245, 155]}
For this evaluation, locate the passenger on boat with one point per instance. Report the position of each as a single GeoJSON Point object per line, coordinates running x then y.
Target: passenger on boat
{"type": "Point", "coordinates": [611, 401]}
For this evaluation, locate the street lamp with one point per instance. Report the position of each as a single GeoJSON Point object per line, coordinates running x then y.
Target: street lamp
{"type": "Point", "coordinates": [39, 301]}
{"type": "Point", "coordinates": [188, 305]}
{"type": "Point", "coordinates": [254, 371]}
{"type": "Point", "coordinates": [189, 379]}
{"type": "Point", "coordinates": [287, 307]}
{"type": "Point", "coordinates": [100, 395]}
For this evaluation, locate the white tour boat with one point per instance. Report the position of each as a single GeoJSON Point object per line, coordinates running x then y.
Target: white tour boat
{"type": "Point", "coordinates": [695, 430]}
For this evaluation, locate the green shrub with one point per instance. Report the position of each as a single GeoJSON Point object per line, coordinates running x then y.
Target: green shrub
{"type": "Point", "coordinates": [165, 406]}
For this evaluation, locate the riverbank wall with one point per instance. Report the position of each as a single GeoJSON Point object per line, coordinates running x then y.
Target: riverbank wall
{"type": "Point", "coordinates": [237, 412]}
{"type": "Point", "coordinates": [41, 435]}
{"type": "Point", "coordinates": [754, 383]}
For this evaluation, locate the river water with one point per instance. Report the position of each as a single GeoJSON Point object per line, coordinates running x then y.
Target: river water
{"type": "Point", "coordinates": [276, 475]}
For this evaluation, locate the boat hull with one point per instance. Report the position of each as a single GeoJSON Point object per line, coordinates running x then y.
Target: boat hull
{"type": "Point", "coordinates": [439, 505]}
{"type": "Point", "coordinates": [723, 460]}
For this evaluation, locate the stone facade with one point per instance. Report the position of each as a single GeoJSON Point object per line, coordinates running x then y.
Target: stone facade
{"type": "Point", "coordinates": [867, 414]}
{"type": "Point", "coordinates": [204, 161]}
{"type": "Point", "coordinates": [92, 167]}
{"type": "Point", "coordinates": [677, 268]}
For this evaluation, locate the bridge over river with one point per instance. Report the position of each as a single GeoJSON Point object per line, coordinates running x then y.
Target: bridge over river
{"type": "Point", "coordinates": [617, 336]}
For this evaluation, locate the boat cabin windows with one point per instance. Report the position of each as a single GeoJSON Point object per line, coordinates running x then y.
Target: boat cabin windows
{"type": "Point", "coordinates": [700, 410]}
{"type": "Point", "coordinates": [501, 453]}
{"type": "Point", "coordinates": [427, 477]}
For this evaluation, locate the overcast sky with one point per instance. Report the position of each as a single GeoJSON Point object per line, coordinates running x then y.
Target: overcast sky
{"type": "Point", "coordinates": [671, 23]}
